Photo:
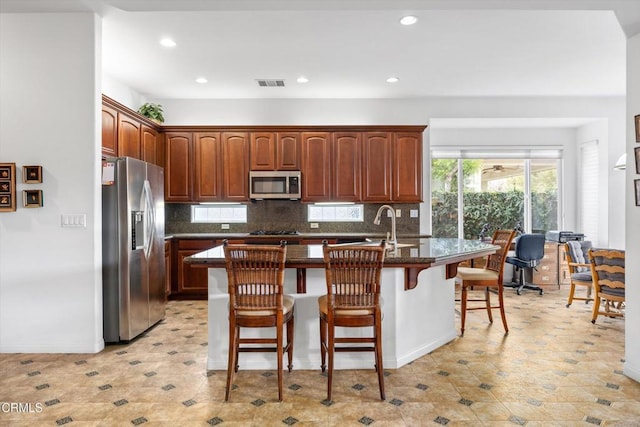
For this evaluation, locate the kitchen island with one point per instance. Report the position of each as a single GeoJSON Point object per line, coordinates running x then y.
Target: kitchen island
{"type": "Point", "coordinates": [417, 292]}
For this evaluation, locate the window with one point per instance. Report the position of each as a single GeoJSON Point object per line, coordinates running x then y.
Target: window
{"type": "Point", "coordinates": [335, 213]}
{"type": "Point", "coordinates": [218, 213]}
{"type": "Point", "coordinates": [589, 190]}
{"type": "Point", "coordinates": [500, 188]}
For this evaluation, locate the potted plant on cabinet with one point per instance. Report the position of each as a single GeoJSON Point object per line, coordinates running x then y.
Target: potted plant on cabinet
{"type": "Point", "coordinates": [152, 111]}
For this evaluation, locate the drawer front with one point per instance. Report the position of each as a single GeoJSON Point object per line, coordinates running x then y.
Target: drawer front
{"type": "Point", "coordinates": [196, 244]}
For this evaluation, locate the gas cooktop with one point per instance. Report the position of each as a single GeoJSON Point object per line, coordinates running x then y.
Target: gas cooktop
{"type": "Point", "coordinates": [274, 233]}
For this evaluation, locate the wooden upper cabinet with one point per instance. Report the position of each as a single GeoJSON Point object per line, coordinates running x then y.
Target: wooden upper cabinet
{"type": "Point", "coordinates": [346, 158]}
{"type": "Point", "coordinates": [109, 131]}
{"type": "Point", "coordinates": [178, 162]}
{"type": "Point", "coordinates": [270, 151]}
{"type": "Point", "coordinates": [288, 151]}
{"type": "Point", "coordinates": [235, 166]}
{"type": "Point", "coordinates": [316, 166]}
{"type": "Point", "coordinates": [128, 136]}
{"type": "Point", "coordinates": [376, 167]}
{"type": "Point", "coordinates": [207, 159]}
{"type": "Point", "coordinates": [407, 167]}
{"type": "Point", "coordinates": [150, 147]}
{"type": "Point", "coordinates": [263, 151]}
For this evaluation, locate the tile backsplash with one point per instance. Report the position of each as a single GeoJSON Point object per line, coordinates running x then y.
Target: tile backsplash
{"type": "Point", "coordinates": [290, 215]}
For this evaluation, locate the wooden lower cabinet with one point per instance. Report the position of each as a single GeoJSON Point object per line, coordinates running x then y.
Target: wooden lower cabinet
{"type": "Point", "coordinates": [167, 267]}
{"type": "Point", "coordinates": [564, 277]}
{"type": "Point", "coordinates": [546, 273]}
{"type": "Point", "coordinates": [191, 282]}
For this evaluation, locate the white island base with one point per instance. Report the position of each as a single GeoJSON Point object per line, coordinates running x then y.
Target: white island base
{"type": "Point", "coordinates": [415, 321]}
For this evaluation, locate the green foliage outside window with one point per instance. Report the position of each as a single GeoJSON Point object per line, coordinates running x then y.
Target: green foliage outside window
{"type": "Point", "coordinates": [498, 209]}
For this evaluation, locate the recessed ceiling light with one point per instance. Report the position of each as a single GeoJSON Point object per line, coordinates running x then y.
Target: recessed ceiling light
{"type": "Point", "coordinates": [408, 20]}
{"type": "Point", "coordinates": [201, 80]}
{"type": "Point", "coordinates": [167, 42]}
{"type": "Point", "coordinates": [393, 80]}
{"type": "Point", "coordinates": [302, 79]}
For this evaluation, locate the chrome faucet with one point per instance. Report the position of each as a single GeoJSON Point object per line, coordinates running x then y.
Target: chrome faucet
{"type": "Point", "coordinates": [393, 241]}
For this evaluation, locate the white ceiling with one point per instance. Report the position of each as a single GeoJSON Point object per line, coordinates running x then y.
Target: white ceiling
{"type": "Point", "coordinates": [348, 48]}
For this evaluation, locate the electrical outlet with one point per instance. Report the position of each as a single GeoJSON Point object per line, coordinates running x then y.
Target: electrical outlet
{"type": "Point", "coordinates": [413, 213]}
{"type": "Point", "coordinates": [398, 213]}
{"type": "Point", "coordinates": [313, 225]}
{"type": "Point", "coordinates": [224, 226]}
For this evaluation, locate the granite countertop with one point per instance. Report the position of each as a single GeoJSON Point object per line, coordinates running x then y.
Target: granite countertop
{"type": "Point", "coordinates": [222, 235]}
{"type": "Point", "coordinates": [419, 251]}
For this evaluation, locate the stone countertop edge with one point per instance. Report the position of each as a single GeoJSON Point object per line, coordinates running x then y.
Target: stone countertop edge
{"type": "Point", "coordinates": [289, 236]}
{"type": "Point", "coordinates": [402, 257]}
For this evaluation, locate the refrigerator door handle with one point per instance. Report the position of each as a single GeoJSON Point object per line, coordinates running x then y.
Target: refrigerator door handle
{"type": "Point", "coordinates": [148, 208]}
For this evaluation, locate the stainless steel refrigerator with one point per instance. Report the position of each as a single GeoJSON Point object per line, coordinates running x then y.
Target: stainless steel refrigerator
{"type": "Point", "coordinates": [133, 269]}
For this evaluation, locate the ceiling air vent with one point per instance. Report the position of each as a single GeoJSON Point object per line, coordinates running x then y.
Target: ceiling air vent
{"type": "Point", "coordinates": [270, 82]}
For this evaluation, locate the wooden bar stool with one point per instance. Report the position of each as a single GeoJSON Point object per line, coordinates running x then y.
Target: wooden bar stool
{"type": "Point", "coordinates": [352, 301]}
{"type": "Point", "coordinates": [487, 278]}
{"type": "Point", "coordinates": [256, 300]}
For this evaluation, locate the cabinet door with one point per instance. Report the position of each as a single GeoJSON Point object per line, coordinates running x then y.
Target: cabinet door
{"type": "Point", "coordinates": [346, 158]}
{"type": "Point", "coordinates": [109, 131]}
{"type": "Point", "coordinates": [376, 167]}
{"type": "Point", "coordinates": [167, 267]}
{"type": "Point", "coordinates": [128, 136]}
{"type": "Point", "coordinates": [316, 166]}
{"type": "Point", "coordinates": [235, 166]}
{"type": "Point", "coordinates": [262, 151]}
{"type": "Point", "coordinates": [288, 151]}
{"type": "Point", "coordinates": [177, 169]}
{"type": "Point", "coordinates": [192, 280]}
{"type": "Point", "coordinates": [150, 143]}
{"type": "Point", "coordinates": [206, 185]}
{"type": "Point", "coordinates": [407, 167]}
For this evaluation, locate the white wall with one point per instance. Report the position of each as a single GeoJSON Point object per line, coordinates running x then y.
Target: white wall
{"type": "Point", "coordinates": [50, 279]}
{"type": "Point", "coordinates": [632, 315]}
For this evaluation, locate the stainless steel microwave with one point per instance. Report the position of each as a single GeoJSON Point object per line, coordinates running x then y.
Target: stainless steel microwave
{"type": "Point", "coordinates": [274, 185]}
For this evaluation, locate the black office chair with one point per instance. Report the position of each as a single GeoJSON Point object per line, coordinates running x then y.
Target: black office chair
{"type": "Point", "coordinates": [529, 252]}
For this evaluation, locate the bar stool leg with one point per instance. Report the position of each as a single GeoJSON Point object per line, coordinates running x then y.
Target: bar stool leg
{"type": "Point", "coordinates": [323, 344]}
{"type": "Point", "coordinates": [463, 308]}
{"type": "Point", "coordinates": [331, 350]}
{"type": "Point", "coordinates": [378, 344]}
{"type": "Point", "coordinates": [290, 334]}
{"type": "Point", "coordinates": [233, 356]}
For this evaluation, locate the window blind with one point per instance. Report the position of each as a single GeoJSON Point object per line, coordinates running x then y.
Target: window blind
{"type": "Point", "coordinates": [589, 190]}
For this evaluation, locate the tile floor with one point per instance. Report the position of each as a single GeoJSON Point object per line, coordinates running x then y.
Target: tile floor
{"type": "Point", "coordinates": [553, 368]}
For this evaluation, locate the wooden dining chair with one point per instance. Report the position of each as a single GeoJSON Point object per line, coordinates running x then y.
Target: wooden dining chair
{"type": "Point", "coordinates": [352, 301]}
{"type": "Point", "coordinates": [607, 269]}
{"type": "Point", "coordinates": [256, 300]}
{"type": "Point", "coordinates": [489, 278]}
{"type": "Point", "coordinates": [577, 257]}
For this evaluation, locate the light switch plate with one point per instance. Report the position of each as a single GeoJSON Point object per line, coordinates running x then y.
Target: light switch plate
{"type": "Point", "coordinates": [313, 225]}
{"type": "Point", "coordinates": [398, 213]}
{"type": "Point", "coordinates": [224, 226]}
{"type": "Point", "coordinates": [74, 220]}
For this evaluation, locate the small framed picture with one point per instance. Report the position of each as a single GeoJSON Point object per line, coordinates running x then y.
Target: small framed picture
{"type": "Point", "coordinates": [5, 187]}
{"type": "Point", "coordinates": [637, 156]}
{"type": "Point", "coordinates": [636, 183]}
{"type": "Point", "coordinates": [637, 120]}
{"type": "Point", "coordinates": [5, 171]}
{"type": "Point", "coordinates": [32, 198]}
{"type": "Point", "coordinates": [6, 202]}
{"type": "Point", "coordinates": [32, 174]}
